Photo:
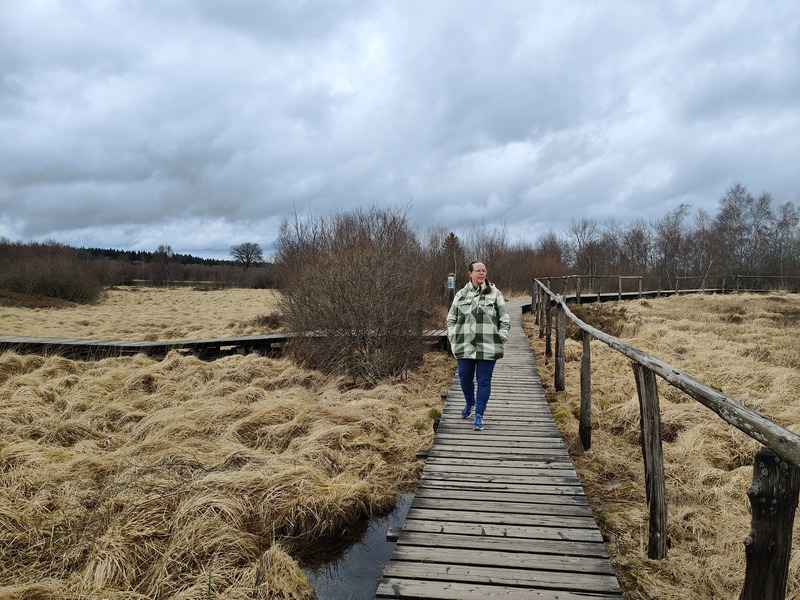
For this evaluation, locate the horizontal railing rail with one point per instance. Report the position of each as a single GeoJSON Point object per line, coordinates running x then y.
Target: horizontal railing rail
{"type": "Point", "coordinates": [776, 479]}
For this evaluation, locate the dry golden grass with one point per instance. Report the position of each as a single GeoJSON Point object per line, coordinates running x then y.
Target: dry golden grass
{"type": "Point", "coordinates": [145, 313]}
{"type": "Point", "coordinates": [747, 346]}
{"type": "Point", "coordinates": [135, 478]}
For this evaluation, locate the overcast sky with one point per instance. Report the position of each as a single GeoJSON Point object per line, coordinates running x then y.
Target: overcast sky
{"type": "Point", "coordinates": [203, 124]}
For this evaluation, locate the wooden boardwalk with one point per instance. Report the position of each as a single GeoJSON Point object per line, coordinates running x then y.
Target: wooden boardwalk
{"type": "Point", "coordinates": [500, 513]}
{"type": "Point", "coordinates": [94, 349]}
{"type": "Point", "coordinates": [268, 344]}
{"type": "Point", "coordinates": [617, 296]}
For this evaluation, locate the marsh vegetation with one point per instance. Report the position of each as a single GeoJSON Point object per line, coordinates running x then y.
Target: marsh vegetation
{"type": "Point", "coordinates": [180, 478]}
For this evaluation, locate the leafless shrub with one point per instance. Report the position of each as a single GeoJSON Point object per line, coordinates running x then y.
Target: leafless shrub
{"type": "Point", "coordinates": [354, 285]}
{"type": "Point", "coordinates": [63, 277]}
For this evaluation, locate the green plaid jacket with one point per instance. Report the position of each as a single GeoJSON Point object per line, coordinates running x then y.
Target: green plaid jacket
{"type": "Point", "coordinates": [478, 324]}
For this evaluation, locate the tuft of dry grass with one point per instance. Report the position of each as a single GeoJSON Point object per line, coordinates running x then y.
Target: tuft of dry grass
{"type": "Point", "coordinates": [181, 478]}
{"type": "Point", "coordinates": [747, 346]}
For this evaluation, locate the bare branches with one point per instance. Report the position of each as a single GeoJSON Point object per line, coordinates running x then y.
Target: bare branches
{"type": "Point", "coordinates": [355, 284]}
{"type": "Point", "coordinates": [246, 254]}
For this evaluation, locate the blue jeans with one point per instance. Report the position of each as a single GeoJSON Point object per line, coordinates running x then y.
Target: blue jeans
{"type": "Point", "coordinates": [470, 370]}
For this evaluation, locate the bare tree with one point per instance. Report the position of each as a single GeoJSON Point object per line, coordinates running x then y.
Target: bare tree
{"type": "Point", "coordinates": [161, 269]}
{"type": "Point", "coordinates": [762, 232]}
{"type": "Point", "coordinates": [704, 248]}
{"type": "Point", "coordinates": [636, 246]}
{"type": "Point", "coordinates": [671, 242]}
{"type": "Point", "coordinates": [551, 249]}
{"type": "Point", "coordinates": [489, 245]}
{"type": "Point", "coordinates": [486, 244]}
{"type": "Point", "coordinates": [247, 254]}
{"type": "Point", "coordinates": [730, 225]}
{"type": "Point", "coordinates": [787, 236]}
{"type": "Point", "coordinates": [583, 245]}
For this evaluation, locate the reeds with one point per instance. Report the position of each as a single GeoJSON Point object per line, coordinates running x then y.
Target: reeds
{"type": "Point", "coordinates": [130, 477]}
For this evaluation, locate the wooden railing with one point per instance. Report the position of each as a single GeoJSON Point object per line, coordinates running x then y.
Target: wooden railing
{"type": "Point", "coordinates": [776, 474]}
{"type": "Point", "coordinates": [582, 288]}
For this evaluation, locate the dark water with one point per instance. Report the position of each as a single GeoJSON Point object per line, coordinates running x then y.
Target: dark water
{"type": "Point", "coordinates": [354, 575]}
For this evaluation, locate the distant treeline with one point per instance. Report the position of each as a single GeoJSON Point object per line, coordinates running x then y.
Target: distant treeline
{"type": "Point", "coordinates": [80, 274]}
{"type": "Point", "coordinates": [143, 256]}
{"type": "Point", "coordinates": [749, 238]}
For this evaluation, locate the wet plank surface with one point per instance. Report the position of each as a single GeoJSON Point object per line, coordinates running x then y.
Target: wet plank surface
{"type": "Point", "coordinates": [500, 513]}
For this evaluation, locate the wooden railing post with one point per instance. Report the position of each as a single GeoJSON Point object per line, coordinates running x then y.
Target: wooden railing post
{"type": "Point", "coordinates": [619, 288]}
{"type": "Point", "coordinates": [773, 500]}
{"type": "Point", "coordinates": [543, 301]}
{"type": "Point", "coordinates": [578, 290]}
{"type": "Point", "coordinates": [585, 417]}
{"type": "Point", "coordinates": [640, 286]}
{"type": "Point", "coordinates": [561, 334]}
{"type": "Point", "coordinates": [653, 460]}
{"type": "Point", "coordinates": [548, 329]}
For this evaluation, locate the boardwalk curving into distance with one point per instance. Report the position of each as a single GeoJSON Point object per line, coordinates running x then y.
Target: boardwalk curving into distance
{"type": "Point", "coordinates": [500, 513]}
{"type": "Point", "coordinates": [269, 344]}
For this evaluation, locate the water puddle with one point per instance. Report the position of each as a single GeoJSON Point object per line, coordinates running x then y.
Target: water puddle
{"type": "Point", "coordinates": [355, 572]}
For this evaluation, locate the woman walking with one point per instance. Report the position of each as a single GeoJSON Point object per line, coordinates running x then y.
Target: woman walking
{"type": "Point", "coordinates": [477, 328]}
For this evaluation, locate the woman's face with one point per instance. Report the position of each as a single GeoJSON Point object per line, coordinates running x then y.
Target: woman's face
{"type": "Point", "coordinates": [478, 274]}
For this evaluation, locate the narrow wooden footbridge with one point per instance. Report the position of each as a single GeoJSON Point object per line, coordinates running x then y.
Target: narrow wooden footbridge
{"type": "Point", "coordinates": [500, 513]}
{"type": "Point", "coordinates": [270, 344]}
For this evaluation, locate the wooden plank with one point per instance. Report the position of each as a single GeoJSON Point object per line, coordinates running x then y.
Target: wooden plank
{"type": "Point", "coordinates": [493, 518]}
{"type": "Point", "coordinates": [510, 497]}
{"type": "Point", "coordinates": [504, 558]}
{"type": "Point", "coordinates": [440, 590]}
{"type": "Point", "coordinates": [500, 545]}
{"type": "Point", "coordinates": [505, 506]}
{"type": "Point", "coordinates": [480, 574]}
{"type": "Point", "coordinates": [521, 440]}
{"type": "Point", "coordinates": [530, 532]}
{"type": "Point", "coordinates": [546, 455]}
{"type": "Point", "coordinates": [508, 448]}
{"type": "Point", "coordinates": [508, 478]}
{"type": "Point", "coordinates": [522, 487]}
{"type": "Point", "coordinates": [499, 461]}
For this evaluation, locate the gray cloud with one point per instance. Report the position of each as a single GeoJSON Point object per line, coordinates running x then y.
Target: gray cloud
{"type": "Point", "coordinates": [201, 125]}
